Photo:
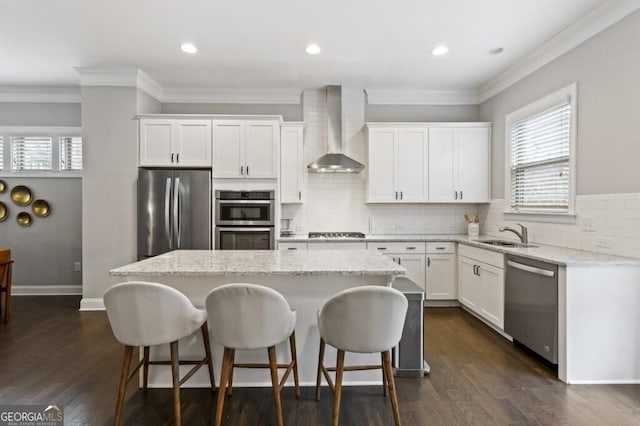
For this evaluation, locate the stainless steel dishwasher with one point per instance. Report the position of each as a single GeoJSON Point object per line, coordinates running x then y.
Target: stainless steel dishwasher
{"type": "Point", "coordinates": [531, 305]}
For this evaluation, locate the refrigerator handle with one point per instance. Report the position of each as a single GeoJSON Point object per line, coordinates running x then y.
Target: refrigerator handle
{"type": "Point", "coordinates": [167, 209]}
{"type": "Point", "coordinates": [176, 211]}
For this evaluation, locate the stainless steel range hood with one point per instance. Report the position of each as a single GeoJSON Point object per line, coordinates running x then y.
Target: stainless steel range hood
{"type": "Point", "coordinates": [334, 161]}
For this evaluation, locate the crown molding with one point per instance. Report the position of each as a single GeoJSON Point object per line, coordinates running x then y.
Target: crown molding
{"type": "Point", "coordinates": [231, 96]}
{"type": "Point", "coordinates": [120, 77]}
{"type": "Point", "coordinates": [421, 97]}
{"type": "Point", "coordinates": [594, 22]}
{"type": "Point", "coordinates": [40, 94]}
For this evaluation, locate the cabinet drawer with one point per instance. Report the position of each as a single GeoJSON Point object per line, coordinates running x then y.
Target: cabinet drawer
{"type": "Point", "coordinates": [486, 256]}
{"type": "Point", "coordinates": [292, 246]}
{"type": "Point", "coordinates": [398, 247]}
{"type": "Point", "coordinates": [435, 248]}
{"type": "Point", "coordinates": [331, 245]}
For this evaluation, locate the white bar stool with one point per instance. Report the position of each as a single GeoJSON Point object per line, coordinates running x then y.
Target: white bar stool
{"type": "Point", "coordinates": [148, 314]}
{"type": "Point", "coordinates": [250, 316]}
{"type": "Point", "coordinates": [365, 319]}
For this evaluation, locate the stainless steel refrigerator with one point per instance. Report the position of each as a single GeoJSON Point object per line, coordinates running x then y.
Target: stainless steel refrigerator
{"type": "Point", "coordinates": [174, 210]}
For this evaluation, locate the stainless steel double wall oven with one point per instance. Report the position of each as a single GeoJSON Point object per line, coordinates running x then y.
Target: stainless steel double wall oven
{"type": "Point", "coordinates": [245, 220]}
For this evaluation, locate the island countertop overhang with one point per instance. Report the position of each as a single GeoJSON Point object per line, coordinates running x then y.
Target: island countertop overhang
{"type": "Point", "coordinates": [262, 262]}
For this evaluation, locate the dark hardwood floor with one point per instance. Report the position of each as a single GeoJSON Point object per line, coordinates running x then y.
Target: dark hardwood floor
{"type": "Point", "coordinates": [51, 353]}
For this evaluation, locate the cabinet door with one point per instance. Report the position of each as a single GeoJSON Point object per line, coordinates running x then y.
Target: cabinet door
{"type": "Point", "coordinates": [472, 160]}
{"type": "Point", "coordinates": [228, 149]}
{"type": "Point", "coordinates": [492, 302]}
{"type": "Point", "coordinates": [194, 143]}
{"type": "Point", "coordinates": [381, 185]}
{"type": "Point", "coordinates": [441, 165]}
{"type": "Point", "coordinates": [414, 263]}
{"type": "Point", "coordinates": [411, 165]}
{"type": "Point", "coordinates": [440, 279]}
{"type": "Point", "coordinates": [470, 290]}
{"type": "Point", "coordinates": [261, 149]}
{"type": "Point", "coordinates": [292, 170]}
{"type": "Point", "coordinates": [156, 140]}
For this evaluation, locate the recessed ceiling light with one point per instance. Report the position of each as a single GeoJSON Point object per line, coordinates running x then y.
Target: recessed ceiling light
{"type": "Point", "coordinates": [496, 51]}
{"type": "Point", "coordinates": [313, 49]}
{"type": "Point", "coordinates": [188, 48]}
{"type": "Point", "coordinates": [440, 50]}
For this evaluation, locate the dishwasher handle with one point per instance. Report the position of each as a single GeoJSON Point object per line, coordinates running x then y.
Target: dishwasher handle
{"type": "Point", "coordinates": [531, 269]}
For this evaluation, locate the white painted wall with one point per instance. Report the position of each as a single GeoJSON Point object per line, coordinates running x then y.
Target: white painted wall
{"type": "Point", "coordinates": [290, 112]}
{"type": "Point", "coordinates": [400, 113]}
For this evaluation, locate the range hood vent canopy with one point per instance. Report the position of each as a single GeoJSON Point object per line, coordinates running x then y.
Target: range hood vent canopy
{"type": "Point", "coordinates": [335, 161]}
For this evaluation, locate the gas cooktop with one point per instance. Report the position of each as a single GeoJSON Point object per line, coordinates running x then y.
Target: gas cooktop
{"type": "Point", "coordinates": [336, 235]}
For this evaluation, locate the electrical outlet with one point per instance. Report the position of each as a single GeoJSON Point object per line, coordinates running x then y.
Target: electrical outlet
{"type": "Point", "coordinates": [604, 242]}
{"type": "Point", "coordinates": [77, 266]}
{"type": "Point", "coordinates": [588, 224]}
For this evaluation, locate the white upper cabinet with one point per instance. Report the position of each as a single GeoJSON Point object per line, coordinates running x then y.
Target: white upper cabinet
{"type": "Point", "coordinates": [245, 149]}
{"type": "Point", "coordinates": [175, 142]}
{"type": "Point", "coordinates": [459, 159]}
{"type": "Point", "coordinates": [397, 170]}
{"type": "Point", "coordinates": [292, 168]}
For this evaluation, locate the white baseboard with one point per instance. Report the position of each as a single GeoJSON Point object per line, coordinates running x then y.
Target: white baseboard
{"type": "Point", "coordinates": [91, 304]}
{"type": "Point", "coordinates": [46, 290]}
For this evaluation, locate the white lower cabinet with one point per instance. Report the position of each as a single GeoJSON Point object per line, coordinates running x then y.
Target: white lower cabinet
{"type": "Point", "coordinates": [440, 281]}
{"type": "Point", "coordinates": [481, 284]}
{"type": "Point", "coordinates": [411, 255]}
{"type": "Point", "coordinates": [292, 246]}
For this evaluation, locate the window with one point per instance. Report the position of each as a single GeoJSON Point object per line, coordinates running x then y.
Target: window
{"type": "Point", "coordinates": [540, 172]}
{"type": "Point", "coordinates": [30, 153]}
{"type": "Point", "coordinates": [39, 151]}
{"type": "Point", "coordinates": [71, 153]}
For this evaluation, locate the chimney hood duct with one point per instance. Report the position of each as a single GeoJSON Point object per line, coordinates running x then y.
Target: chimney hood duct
{"type": "Point", "coordinates": [334, 161]}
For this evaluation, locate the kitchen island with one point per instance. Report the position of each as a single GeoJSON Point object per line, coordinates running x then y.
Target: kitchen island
{"type": "Point", "coordinates": [306, 279]}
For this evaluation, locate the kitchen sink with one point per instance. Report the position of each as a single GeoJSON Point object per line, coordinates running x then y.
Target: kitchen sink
{"type": "Point", "coordinates": [503, 243]}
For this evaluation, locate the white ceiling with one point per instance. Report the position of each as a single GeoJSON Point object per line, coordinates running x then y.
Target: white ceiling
{"type": "Point", "coordinates": [380, 44]}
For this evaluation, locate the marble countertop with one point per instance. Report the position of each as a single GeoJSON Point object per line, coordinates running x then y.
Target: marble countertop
{"type": "Point", "coordinates": [262, 262]}
{"type": "Point", "coordinates": [546, 253]}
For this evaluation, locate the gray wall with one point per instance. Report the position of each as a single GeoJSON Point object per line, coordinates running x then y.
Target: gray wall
{"type": "Point", "coordinates": [290, 112]}
{"type": "Point", "coordinates": [45, 252]}
{"type": "Point", "coordinates": [108, 185]}
{"type": "Point", "coordinates": [421, 113]}
{"type": "Point", "coordinates": [607, 71]}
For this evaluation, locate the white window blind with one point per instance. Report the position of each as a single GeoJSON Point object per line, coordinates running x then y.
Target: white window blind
{"type": "Point", "coordinates": [540, 160]}
{"type": "Point", "coordinates": [70, 153]}
{"type": "Point", "coordinates": [30, 153]}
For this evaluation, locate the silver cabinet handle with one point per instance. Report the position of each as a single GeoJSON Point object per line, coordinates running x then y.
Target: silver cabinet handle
{"type": "Point", "coordinates": [440, 248]}
{"type": "Point", "coordinates": [428, 261]}
{"type": "Point", "coordinates": [410, 248]}
{"type": "Point", "coordinates": [396, 195]}
{"type": "Point", "coordinates": [172, 157]}
{"type": "Point", "coordinates": [178, 158]}
{"type": "Point", "coordinates": [532, 269]}
{"type": "Point", "coordinates": [292, 248]}
{"type": "Point", "coordinates": [455, 195]}
{"type": "Point", "coordinates": [399, 261]}
{"type": "Point", "coordinates": [247, 170]}
{"type": "Point", "coordinates": [241, 170]}
{"type": "Point", "coordinates": [299, 195]}
{"type": "Point", "coordinates": [461, 194]}
{"type": "Point", "coordinates": [383, 248]}
{"type": "Point", "coordinates": [401, 195]}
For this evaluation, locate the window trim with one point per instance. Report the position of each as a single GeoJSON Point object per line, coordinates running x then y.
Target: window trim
{"type": "Point", "coordinates": [549, 101]}
{"type": "Point", "coordinates": [55, 133]}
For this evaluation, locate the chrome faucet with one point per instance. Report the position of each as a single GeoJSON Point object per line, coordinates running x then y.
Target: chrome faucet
{"type": "Point", "coordinates": [524, 238]}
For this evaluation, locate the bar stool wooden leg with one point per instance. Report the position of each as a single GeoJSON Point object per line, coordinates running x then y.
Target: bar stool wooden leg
{"type": "Point", "coordinates": [294, 360]}
{"type": "Point", "coordinates": [232, 367]}
{"type": "Point", "coordinates": [384, 375]}
{"type": "Point", "coordinates": [275, 383]}
{"type": "Point", "coordinates": [124, 378]}
{"type": "Point", "coordinates": [175, 372]}
{"type": "Point", "coordinates": [224, 377]}
{"type": "Point", "coordinates": [320, 363]}
{"type": "Point", "coordinates": [337, 394]}
{"type": "Point", "coordinates": [386, 356]}
{"type": "Point", "coordinates": [207, 351]}
{"type": "Point", "coordinates": [145, 369]}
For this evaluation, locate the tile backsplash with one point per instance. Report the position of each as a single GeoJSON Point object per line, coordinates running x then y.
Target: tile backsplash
{"type": "Point", "coordinates": [605, 223]}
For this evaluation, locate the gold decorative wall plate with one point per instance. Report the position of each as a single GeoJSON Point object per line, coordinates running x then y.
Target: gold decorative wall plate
{"type": "Point", "coordinates": [4, 212]}
{"type": "Point", "coordinates": [23, 219]}
{"type": "Point", "coordinates": [41, 208]}
{"type": "Point", "coordinates": [3, 186]}
{"type": "Point", "coordinates": [21, 195]}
